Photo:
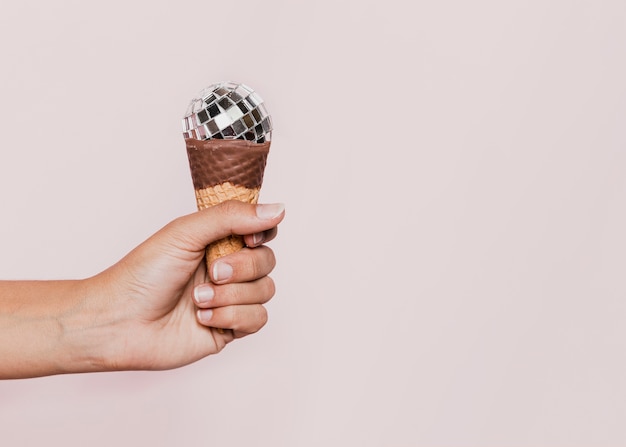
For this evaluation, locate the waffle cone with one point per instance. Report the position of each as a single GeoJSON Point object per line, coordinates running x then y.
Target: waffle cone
{"type": "Point", "coordinates": [214, 195]}
{"type": "Point", "coordinates": [226, 170]}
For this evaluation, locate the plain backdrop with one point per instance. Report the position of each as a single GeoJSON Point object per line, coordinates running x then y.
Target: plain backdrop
{"type": "Point", "coordinates": [451, 268]}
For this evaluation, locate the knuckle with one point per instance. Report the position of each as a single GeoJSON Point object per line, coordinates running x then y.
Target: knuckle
{"type": "Point", "coordinates": [231, 317]}
{"type": "Point", "coordinates": [248, 319]}
{"type": "Point", "coordinates": [270, 287]}
{"type": "Point", "coordinates": [255, 266]}
{"type": "Point", "coordinates": [230, 207]}
{"type": "Point", "coordinates": [268, 256]}
{"type": "Point", "coordinates": [174, 234]}
{"type": "Point", "coordinates": [261, 262]}
{"type": "Point", "coordinates": [235, 294]}
{"type": "Point", "coordinates": [264, 315]}
{"type": "Point", "coordinates": [271, 258]}
{"type": "Point", "coordinates": [260, 317]}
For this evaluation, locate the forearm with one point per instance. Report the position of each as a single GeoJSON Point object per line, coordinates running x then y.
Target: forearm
{"type": "Point", "coordinates": [47, 327]}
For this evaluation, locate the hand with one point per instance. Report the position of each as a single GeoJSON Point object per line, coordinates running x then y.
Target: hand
{"type": "Point", "coordinates": [155, 309]}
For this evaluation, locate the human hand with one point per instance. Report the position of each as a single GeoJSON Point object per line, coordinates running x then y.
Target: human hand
{"type": "Point", "coordinates": [155, 308]}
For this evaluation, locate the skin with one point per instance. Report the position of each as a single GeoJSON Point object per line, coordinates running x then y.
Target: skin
{"type": "Point", "coordinates": [155, 309]}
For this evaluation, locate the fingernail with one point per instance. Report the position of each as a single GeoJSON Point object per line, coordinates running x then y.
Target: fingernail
{"type": "Point", "coordinates": [203, 293]}
{"type": "Point", "coordinates": [258, 238]}
{"type": "Point", "coordinates": [269, 211]}
{"type": "Point", "coordinates": [221, 271]}
{"type": "Point", "coordinates": [204, 315]}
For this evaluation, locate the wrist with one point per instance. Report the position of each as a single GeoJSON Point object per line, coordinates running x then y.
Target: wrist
{"type": "Point", "coordinates": [88, 332]}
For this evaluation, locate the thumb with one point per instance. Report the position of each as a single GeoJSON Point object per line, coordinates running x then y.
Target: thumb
{"type": "Point", "coordinates": [196, 231]}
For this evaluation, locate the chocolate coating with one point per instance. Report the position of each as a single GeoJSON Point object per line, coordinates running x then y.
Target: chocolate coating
{"type": "Point", "coordinates": [239, 162]}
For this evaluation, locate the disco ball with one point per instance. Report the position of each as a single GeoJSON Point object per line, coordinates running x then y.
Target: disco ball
{"type": "Point", "coordinates": [227, 110]}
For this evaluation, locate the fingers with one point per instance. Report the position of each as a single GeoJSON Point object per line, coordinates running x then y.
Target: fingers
{"type": "Point", "coordinates": [239, 288]}
{"type": "Point", "coordinates": [195, 231]}
{"type": "Point", "coordinates": [242, 320]}
{"type": "Point", "coordinates": [235, 306]}
{"type": "Point", "coordinates": [256, 292]}
{"type": "Point", "coordinates": [240, 285]}
{"type": "Point", "coordinates": [242, 266]}
{"type": "Point", "coordinates": [254, 240]}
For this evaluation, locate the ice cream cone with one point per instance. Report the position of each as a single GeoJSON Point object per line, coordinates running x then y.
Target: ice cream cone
{"type": "Point", "coordinates": [227, 132]}
{"type": "Point", "coordinates": [217, 194]}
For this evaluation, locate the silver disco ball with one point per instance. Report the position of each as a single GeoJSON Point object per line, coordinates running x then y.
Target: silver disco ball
{"type": "Point", "coordinates": [227, 110]}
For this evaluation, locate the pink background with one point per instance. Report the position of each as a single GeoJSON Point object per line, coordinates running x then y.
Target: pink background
{"type": "Point", "coordinates": [451, 269]}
